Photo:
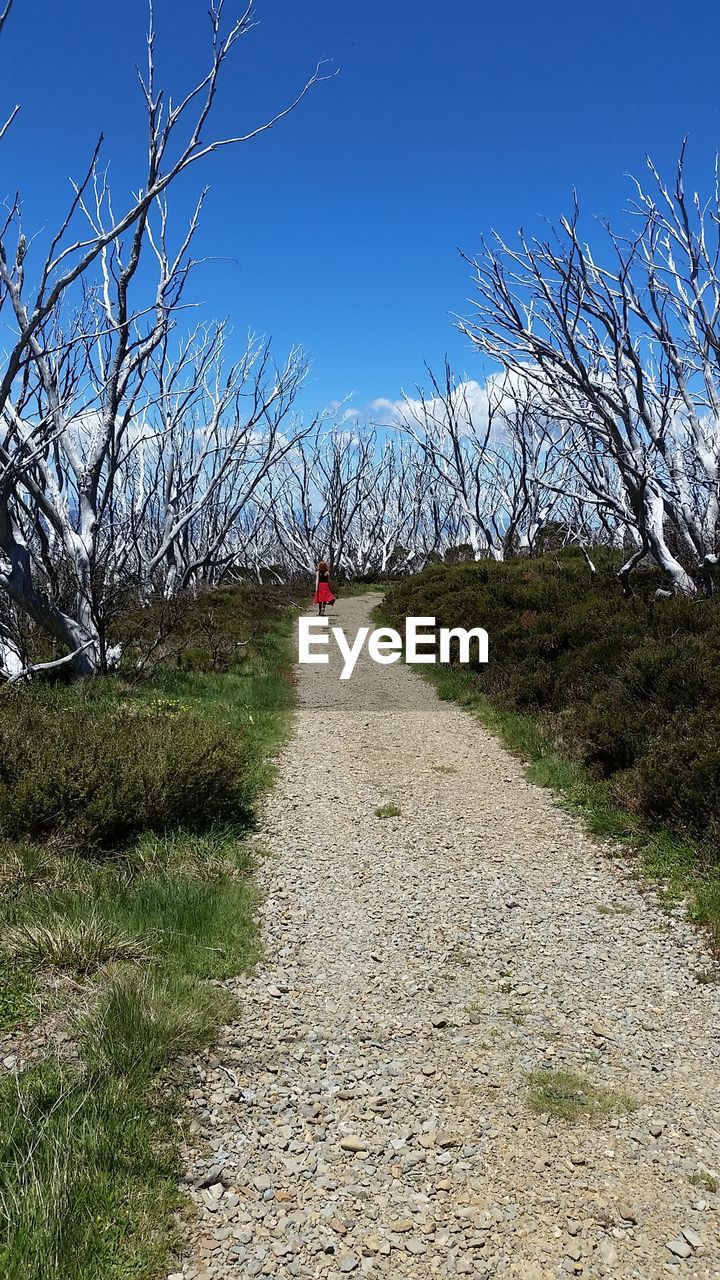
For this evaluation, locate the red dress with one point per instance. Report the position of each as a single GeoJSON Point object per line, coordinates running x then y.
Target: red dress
{"type": "Point", "coordinates": [324, 595]}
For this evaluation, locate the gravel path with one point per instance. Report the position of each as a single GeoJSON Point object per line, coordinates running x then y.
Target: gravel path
{"type": "Point", "coordinates": [368, 1114]}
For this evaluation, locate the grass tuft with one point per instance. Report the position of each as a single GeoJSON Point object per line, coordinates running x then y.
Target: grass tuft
{"type": "Point", "coordinates": [516, 1014]}
{"type": "Point", "coordinates": [17, 991]}
{"type": "Point", "coordinates": [706, 907]}
{"type": "Point", "coordinates": [80, 946]}
{"type": "Point", "coordinates": [87, 1178]}
{"type": "Point", "coordinates": [142, 1022]}
{"type": "Point", "coordinates": [707, 977]}
{"type": "Point", "coordinates": [701, 1178]}
{"type": "Point", "coordinates": [24, 867]}
{"type": "Point", "coordinates": [388, 811]}
{"type": "Point", "coordinates": [569, 1095]}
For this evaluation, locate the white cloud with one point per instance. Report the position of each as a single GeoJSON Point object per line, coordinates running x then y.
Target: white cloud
{"type": "Point", "coordinates": [473, 401]}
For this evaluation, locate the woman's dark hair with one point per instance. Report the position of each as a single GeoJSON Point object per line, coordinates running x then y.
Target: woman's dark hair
{"type": "Point", "coordinates": [323, 566]}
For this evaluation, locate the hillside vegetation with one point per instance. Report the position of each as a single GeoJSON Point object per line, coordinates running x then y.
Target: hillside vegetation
{"type": "Point", "coordinates": [126, 898]}
{"type": "Point", "coordinates": [627, 691]}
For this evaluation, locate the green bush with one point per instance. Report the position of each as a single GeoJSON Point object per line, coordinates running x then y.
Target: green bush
{"type": "Point", "coordinates": [609, 732]}
{"type": "Point", "coordinates": [214, 631]}
{"type": "Point", "coordinates": [678, 776]}
{"type": "Point", "coordinates": [628, 687]}
{"type": "Point", "coordinates": [90, 773]}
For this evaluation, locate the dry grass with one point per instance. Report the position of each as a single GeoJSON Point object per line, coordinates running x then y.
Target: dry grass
{"type": "Point", "coordinates": [24, 867]}
{"type": "Point", "coordinates": [80, 946]}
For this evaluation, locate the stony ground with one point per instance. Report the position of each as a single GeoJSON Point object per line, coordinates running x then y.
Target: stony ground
{"type": "Point", "coordinates": [369, 1113]}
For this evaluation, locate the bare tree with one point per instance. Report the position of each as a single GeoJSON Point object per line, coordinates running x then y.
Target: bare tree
{"type": "Point", "coordinates": [493, 452]}
{"type": "Point", "coordinates": [74, 380]}
{"type": "Point", "coordinates": [350, 497]}
{"type": "Point", "coordinates": [626, 356]}
{"type": "Point", "coordinates": [212, 461]}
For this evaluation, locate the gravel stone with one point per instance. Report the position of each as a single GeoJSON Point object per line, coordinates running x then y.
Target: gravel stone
{"type": "Point", "coordinates": [680, 1248]}
{"type": "Point", "coordinates": [692, 1237]}
{"type": "Point", "coordinates": [353, 1144]}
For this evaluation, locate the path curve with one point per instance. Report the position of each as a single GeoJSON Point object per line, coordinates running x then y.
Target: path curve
{"type": "Point", "coordinates": [417, 969]}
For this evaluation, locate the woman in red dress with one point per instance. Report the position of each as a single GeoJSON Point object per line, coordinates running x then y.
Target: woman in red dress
{"type": "Point", "coordinates": [323, 595]}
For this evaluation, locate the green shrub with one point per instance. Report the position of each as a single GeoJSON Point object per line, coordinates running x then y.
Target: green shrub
{"type": "Point", "coordinates": [610, 732]}
{"type": "Point", "coordinates": [90, 775]}
{"type": "Point", "coordinates": [677, 780]}
{"type": "Point", "coordinates": [214, 631]}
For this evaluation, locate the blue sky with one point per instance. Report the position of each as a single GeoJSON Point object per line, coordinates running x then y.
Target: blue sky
{"type": "Point", "coordinates": [340, 229]}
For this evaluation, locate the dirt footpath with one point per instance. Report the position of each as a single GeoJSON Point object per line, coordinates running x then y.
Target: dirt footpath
{"type": "Point", "coordinates": [369, 1112]}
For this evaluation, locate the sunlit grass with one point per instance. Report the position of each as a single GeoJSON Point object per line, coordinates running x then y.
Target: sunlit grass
{"type": "Point", "coordinates": [80, 946]}
{"type": "Point", "coordinates": [701, 1178]}
{"type": "Point", "coordinates": [88, 1180]}
{"type": "Point", "coordinates": [388, 811]}
{"type": "Point", "coordinates": [142, 937]}
{"type": "Point", "coordinates": [569, 1095]}
{"type": "Point", "coordinates": [143, 1021]}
